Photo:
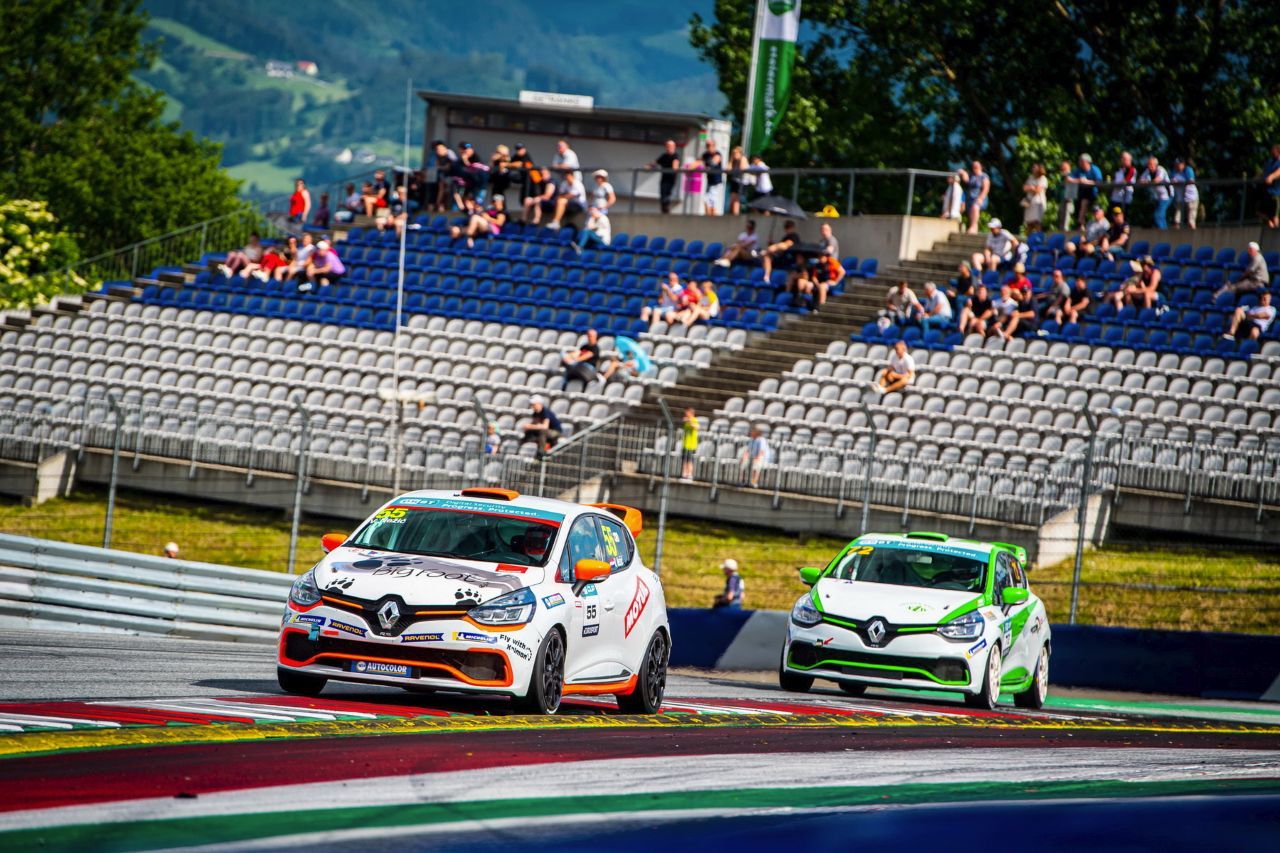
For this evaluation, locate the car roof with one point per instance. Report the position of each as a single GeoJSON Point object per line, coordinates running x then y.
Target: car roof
{"type": "Point", "coordinates": [565, 508]}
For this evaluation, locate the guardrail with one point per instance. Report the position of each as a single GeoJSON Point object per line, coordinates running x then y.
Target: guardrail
{"type": "Point", "coordinates": [46, 584]}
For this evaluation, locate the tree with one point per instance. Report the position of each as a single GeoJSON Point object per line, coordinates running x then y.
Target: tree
{"type": "Point", "coordinates": [77, 131]}
{"type": "Point", "coordinates": [34, 255]}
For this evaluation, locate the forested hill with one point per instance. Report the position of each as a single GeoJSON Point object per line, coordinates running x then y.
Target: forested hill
{"type": "Point", "coordinates": [214, 55]}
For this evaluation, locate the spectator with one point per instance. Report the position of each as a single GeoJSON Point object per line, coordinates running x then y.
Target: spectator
{"type": "Point", "coordinates": [1023, 317]}
{"type": "Point", "coordinates": [898, 373]}
{"type": "Point", "coordinates": [976, 192]}
{"type": "Point", "coordinates": [1077, 304]}
{"type": "Point", "coordinates": [745, 248]}
{"type": "Point", "coordinates": [830, 246]}
{"type": "Point", "coordinates": [1255, 277]}
{"type": "Point", "coordinates": [953, 196]}
{"type": "Point", "coordinates": [485, 223]}
{"type": "Point", "coordinates": [707, 308]}
{"type": "Point", "coordinates": [475, 179]}
{"type": "Point", "coordinates": [630, 358]}
{"type": "Point", "coordinates": [521, 175]}
{"type": "Point", "coordinates": [980, 311]}
{"type": "Point", "coordinates": [566, 161]}
{"type": "Point", "coordinates": [543, 427]}
{"type": "Point", "coordinates": [1086, 178]}
{"type": "Point", "coordinates": [758, 173]}
{"type": "Point", "coordinates": [354, 202]}
{"type": "Point", "coordinates": [1018, 282]}
{"type": "Point", "coordinates": [1093, 236]}
{"type": "Point", "coordinates": [1140, 290]}
{"type": "Point", "coordinates": [934, 309]}
{"type": "Point", "coordinates": [237, 263]}
{"type": "Point", "coordinates": [1055, 297]}
{"type": "Point", "coordinates": [499, 174]}
{"type": "Point", "coordinates": [689, 298]}
{"type": "Point", "coordinates": [543, 198]}
{"type": "Point", "coordinates": [999, 248]}
{"type": "Point", "coordinates": [397, 213]}
{"type": "Point", "coordinates": [571, 199]}
{"type": "Point", "coordinates": [300, 202]}
{"type": "Point", "coordinates": [1117, 236]}
{"type": "Point", "coordinates": [1271, 179]}
{"type": "Point", "coordinates": [781, 251]}
{"type": "Point", "coordinates": [713, 165]}
{"type": "Point", "coordinates": [602, 195]}
{"type": "Point", "coordinates": [324, 268]}
{"type": "Point", "coordinates": [492, 440]}
{"type": "Point", "coordinates": [755, 456]}
{"type": "Point", "coordinates": [734, 588]}
{"type": "Point", "coordinates": [693, 178]}
{"type": "Point", "coordinates": [1122, 182]}
{"type": "Point", "coordinates": [668, 301]}
{"type": "Point", "coordinates": [900, 304]}
{"type": "Point", "coordinates": [1252, 321]}
{"type": "Point", "coordinates": [1161, 191]}
{"type": "Point", "coordinates": [737, 168]}
{"type": "Point", "coordinates": [960, 290]}
{"type": "Point", "coordinates": [301, 257]}
{"type": "Point", "coordinates": [1186, 196]}
{"type": "Point", "coordinates": [276, 261]}
{"type": "Point", "coordinates": [1034, 198]}
{"type": "Point", "coordinates": [448, 171]}
{"type": "Point", "coordinates": [1066, 195]}
{"type": "Point", "coordinates": [598, 232]}
{"type": "Point", "coordinates": [1004, 304]}
{"type": "Point", "coordinates": [582, 363]}
{"type": "Point", "coordinates": [322, 216]}
{"type": "Point", "coordinates": [669, 162]}
{"type": "Point", "coordinates": [688, 444]}
{"type": "Point", "coordinates": [171, 550]}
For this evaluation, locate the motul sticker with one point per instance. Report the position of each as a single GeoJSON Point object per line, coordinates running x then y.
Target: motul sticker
{"type": "Point", "coordinates": [638, 602]}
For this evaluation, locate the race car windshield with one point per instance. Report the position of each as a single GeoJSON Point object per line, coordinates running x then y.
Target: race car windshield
{"type": "Point", "coordinates": [911, 567]}
{"type": "Point", "coordinates": [460, 535]}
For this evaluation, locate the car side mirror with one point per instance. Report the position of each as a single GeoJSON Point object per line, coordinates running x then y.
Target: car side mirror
{"type": "Point", "coordinates": [586, 571]}
{"type": "Point", "coordinates": [329, 541]}
{"type": "Point", "coordinates": [809, 575]}
{"type": "Point", "coordinates": [1014, 595]}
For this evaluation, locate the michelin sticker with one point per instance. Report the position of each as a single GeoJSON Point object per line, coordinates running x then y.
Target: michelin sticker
{"type": "Point", "coordinates": [469, 637]}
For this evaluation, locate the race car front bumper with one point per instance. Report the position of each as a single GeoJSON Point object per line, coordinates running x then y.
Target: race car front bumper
{"type": "Point", "coordinates": [923, 661]}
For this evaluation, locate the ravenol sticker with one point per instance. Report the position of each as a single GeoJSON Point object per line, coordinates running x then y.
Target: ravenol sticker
{"type": "Point", "coordinates": [422, 638]}
{"type": "Point", "coordinates": [468, 637]}
{"type": "Point", "coordinates": [636, 608]}
{"type": "Point", "coordinates": [345, 628]}
{"type": "Point", "coordinates": [975, 648]}
{"type": "Point", "coordinates": [305, 619]}
{"type": "Point", "coordinates": [554, 600]}
{"type": "Point", "coordinates": [590, 630]}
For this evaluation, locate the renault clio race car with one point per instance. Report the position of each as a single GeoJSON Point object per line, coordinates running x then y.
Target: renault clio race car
{"type": "Point", "coordinates": [483, 591]}
{"type": "Point", "coordinates": [921, 610]}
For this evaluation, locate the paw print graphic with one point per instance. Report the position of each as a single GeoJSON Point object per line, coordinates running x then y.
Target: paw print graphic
{"type": "Point", "coordinates": [466, 596]}
{"type": "Point", "coordinates": [342, 583]}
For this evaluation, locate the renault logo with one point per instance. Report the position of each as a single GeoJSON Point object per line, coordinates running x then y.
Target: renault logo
{"type": "Point", "coordinates": [875, 631]}
{"type": "Point", "coordinates": [388, 615]}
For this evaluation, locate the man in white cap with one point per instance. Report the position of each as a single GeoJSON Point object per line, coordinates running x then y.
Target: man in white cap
{"type": "Point", "coordinates": [324, 268]}
{"type": "Point", "coordinates": [733, 586]}
{"type": "Point", "coordinates": [543, 427]}
{"type": "Point", "coordinates": [1256, 276]}
{"type": "Point", "coordinates": [171, 550]}
{"type": "Point", "coordinates": [999, 248]}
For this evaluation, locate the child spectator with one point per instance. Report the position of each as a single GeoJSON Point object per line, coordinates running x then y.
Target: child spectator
{"type": "Point", "coordinates": [276, 261]}
{"type": "Point", "coordinates": [755, 456]}
{"type": "Point", "coordinates": [486, 223]}
{"type": "Point", "coordinates": [688, 444]}
{"type": "Point", "coordinates": [492, 440]}
{"type": "Point", "coordinates": [705, 309]}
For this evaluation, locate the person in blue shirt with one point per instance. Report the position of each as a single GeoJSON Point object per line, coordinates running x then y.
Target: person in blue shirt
{"type": "Point", "coordinates": [1086, 177]}
{"type": "Point", "coordinates": [1186, 196]}
{"type": "Point", "coordinates": [734, 588]}
{"type": "Point", "coordinates": [1271, 178]}
{"type": "Point", "coordinates": [755, 456]}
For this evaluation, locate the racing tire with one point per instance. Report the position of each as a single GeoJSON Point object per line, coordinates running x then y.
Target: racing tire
{"type": "Point", "coordinates": [299, 683]}
{"type": "Point", "coordinates": [651, 682]}
{"type": "Point", "coordinates": [989, 696]}
{"type": "Point", "coordinates": [791, 682]}
{"type": "Point", "coordinates": [1033, 697]}
{"type": "Point", "coordinates": [546, 683]}
{"type": "Point", "coordinates": [852, 689]}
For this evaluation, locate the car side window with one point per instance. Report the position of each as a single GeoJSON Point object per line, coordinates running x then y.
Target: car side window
{"type": "Point", "coordinates": [1019, 576]}
{"type": "Point", "coordinates": [1003, 578]}
{"type": "Point", "coordinates": [584, 543]}
{"type": "Point", "coordinates": [617, 543]}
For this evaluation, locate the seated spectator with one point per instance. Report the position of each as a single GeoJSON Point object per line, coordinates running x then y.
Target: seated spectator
{"type": "Point", "coordinates": [998, 250]}
{"type": "Point", "coordinates": [238, 263]}
{"type": "Point", "coordinates": [1077, 303]}
{"type": "Point", "coordinates": [798, 273]}
{"type": "Point", "coordinates": [831, 250]}
{"type": "Point", "coordinates": [1095, 232]}
{"type": "Point", "coordinates": [598, 232]}
{"type": "Point", "coordinates": [1022, 318]}
{"type": "Point", "coordinates": [1117, 236]}
{"type": "Point", "coordinates": [933, 310]}
{"type": "Point", "coordinates": [900, 304]}
{"type": "Point", "coordinates": [492, 440]}
{"type": "Point", "coordinates": [961, 288]}
{"type": "Point", "coordinates": [1055, 297]}
{"type": "Point", "coordinates": [668, 302]}
{"type": "Point", "coordinates": [1252, 322]}
{"type": "Point", "coordinates": [755, 456]}
{"type": "Point", "coordinates": [323, 216]}
{"type": "Point", "coordinates": [301, 257]}
{"type": "Point", "coordinates": [980, 311]}
{"type": "Point", "coordinates": [354, 202]}
{"type": "Point", "coordinates": [571, 199]}
{"type": "Point", "coordinates": [780, 251]}
{"type": "Point", "coordinates": [1255, 277]}
{"type": "Point", "coordinates": [368, 199]}
{"type": "Point", "coordinates": [324, 268]}
{"type": "Point", "coordinates": [1004, 304]}
{"type": "Point", "coordinates": [745, 248]}
{"type": "Point", "coordinates": [543, 197]}
{"type": "Point", "coordinates": [485, 223]}
{"type": "Point", "coordinates": [396, 214]}
{"type": "Point", "coordinates": [630, 358]}
{"type": "Point", "coordinates": [276, 261]}
{"type": "Point", "coordinates": [898, 373]}
{"type": "Point", "coordinates": [1019, 281]}
{"type": "Point", "coordinates": [300, 202]}
{"type": "Point", "coordinates": [582, 362]}
{"type": "Point", "coordinates": [1141, 290]}
{"type": "Point", "coordinates": [708, 307]}
{"type": "Point", "coordinates": [499, 173]}
{"type": "Point", "coordinates": [543, 427]}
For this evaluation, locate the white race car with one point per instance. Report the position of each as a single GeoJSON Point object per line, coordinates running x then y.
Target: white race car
{"type": "Point", "coordinates": [921, 610]}
{"type": "Point", "coordinates": [483, 591]}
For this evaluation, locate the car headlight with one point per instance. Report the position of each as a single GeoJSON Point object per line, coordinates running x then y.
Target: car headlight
{"type": "Point", "coordinates": [304, 591]}
{"type": "Point", "coordinates": [514, 608]}
{"type": "Point", "coordinates": [967, 627]}
{"type": "Point", "coordinates": [804, 613]}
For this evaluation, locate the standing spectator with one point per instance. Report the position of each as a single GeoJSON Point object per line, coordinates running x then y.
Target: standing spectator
{"type": "Point", "coordinates": [566, 160]}
{"type": "Point", "coordinates": [668, 302]}
{"type": "Point", "coordinates": [1122, 182]}
{"type": "Point", "coordinates": [1252, 321]}
{"type": "Point", "coordinates": [976, 192]}
{"type": "Point", "coordinates": [999, 248]}
{"type": "Point", "coordinates": [980, 311]}
{"type": "Point", "coordinates": [1117, 237]}
{"type": "Point", "coordinates": [755, 456]}
{"type": "Point", "coordinates": [693, 178]}
{"type": "Point", "coordinates": [448, 171]}
{"type": "Point", "coordinates": [543, 427]}
{"type": "Point", "coordinates": [322, 216]}
{"type": "Point", "coordinates": [1077, 303]}
{"type": "Point", "coordinates": [1255, 277]}
{"type": "Point", "coordinates": [300, 202]}
{"type": "Point", "coordinates": [499, 174]}
{"type": "Point", "coordinates": [1067, 192]}
{"type": "Point", "coordinates": [239, 263]}
{"type": "Point", "coordinates": [744, 248]}
{"type": "Point", "coordinates": [713, 165]}
{"type": "Point", "coordinates": [521, 174]}
{"type": "Point", "coordinates": [1034, 198]}
{"type": "Point", "coordinates": [934, 309]}
{"type": "Point", "coordinates": [737, 169]}
{"type": "Point", "coordinates": [953, 196]}
{"type": "Point", "coordinates": [1086, 178]}
{"type": "Point", "coordinates": [688, 444]}
{"type": "Point", "coordinates": [571, 199]}
{"type": "Point", "coordinates": [1095, 233]}
{"type": "Point", "coordinates": [898, 373]}
{"type": "Point", "coordinates": [960, 290]}
{"type": "Point", "coordinates": [734, 588]}
{"type": "Point", "coordinates": [1141, 290]}
{"type": "Point", "coordinates": [171, 550]}
{"type": "Point", "coordinates": [1186, 196]}
{"type": "Point", "coordinates": [1271, 180]}
{"type": "Point", "coordinates": [669, 162]}
{"type": "Point", "coordinates": [758, 171]}
{"type": "Point", "coordinates": [581, 364]}
{"type": "Point", "coordinates": [900, 304]}
{"type": "Point", "coordinates": [324, 268]}
{"type": "Point", "coordinates": [1161, 191]}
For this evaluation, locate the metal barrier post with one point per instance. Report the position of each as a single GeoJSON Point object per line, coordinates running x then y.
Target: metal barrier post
{"type": "Point", "coordinates": [777, 481]}
{"type": "Point", "coordinates": [303, 442]}
{"type": "Point", "coordinates": [1082, 512]}
{"type": "Point", "coordinates": [973, 503]}
{"type": "Point", "coordinates": [582, 468]}
{"type": "Point", "coordinates": [1191, 469]}
{"type": "Point", "coordinates": [137, 434]}
{"type": "Point", "coordinates": [115, 469]}
{"type": "Point", "coordinates": [1259, 462]}
{"type": "Point", "coordinates": [714, 494]}
{"type": "Point", "coordinates": [906, 496]}
{"type": "Point", "coordinates": [871, 456]}
{"type": "Point", "coordinates": [635, 180]}
{"type": "Point", "coordinates": [840, 479]}
{"type": "Point", "coordinates": [848, 202]}
{"type": "Point", "coordinates": [666, 485]}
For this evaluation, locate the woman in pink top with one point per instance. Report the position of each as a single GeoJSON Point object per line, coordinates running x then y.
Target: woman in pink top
{"type": "Point", "coordinates": [324, 268]}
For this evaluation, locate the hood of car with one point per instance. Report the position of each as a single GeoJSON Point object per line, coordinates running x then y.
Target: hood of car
{"type": "Point", "coordinates": [900, 605]}
{"type": "Point", "coordinates": [357, 573]}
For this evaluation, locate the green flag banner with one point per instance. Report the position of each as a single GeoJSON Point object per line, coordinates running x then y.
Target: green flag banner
{"type": "Point", "coordinates": [775, 53]}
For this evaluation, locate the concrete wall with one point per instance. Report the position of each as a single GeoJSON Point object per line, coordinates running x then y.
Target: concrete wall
{"type": "Point", "coordinates": [36, 483]}
{"type": "Point", "coordinates": [1058, 535]}
{"type": "Point", "coordinates": [1235, 521]}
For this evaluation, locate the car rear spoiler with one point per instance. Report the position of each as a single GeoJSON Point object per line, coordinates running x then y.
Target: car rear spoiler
{"type": "Point", "coordinates": [630, 516]}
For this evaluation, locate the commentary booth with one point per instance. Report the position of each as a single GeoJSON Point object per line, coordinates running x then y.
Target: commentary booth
{"type": "Point", "coordinates": [619, 140]}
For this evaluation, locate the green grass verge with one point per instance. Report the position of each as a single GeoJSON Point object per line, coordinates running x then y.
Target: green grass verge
{"type": "Point", "coordinates": [692, 554]}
